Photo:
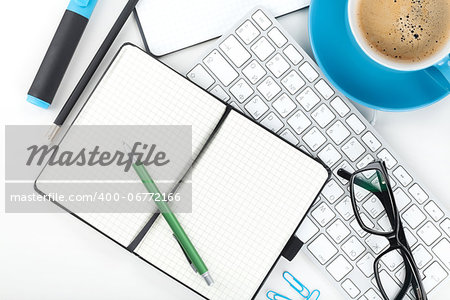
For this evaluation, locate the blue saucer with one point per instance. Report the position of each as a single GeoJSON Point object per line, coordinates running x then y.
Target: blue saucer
{"type": "Point", "coordinates": [355, 74]}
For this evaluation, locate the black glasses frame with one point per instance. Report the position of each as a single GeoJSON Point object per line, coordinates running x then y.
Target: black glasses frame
{"type": "Point", "coordinates": [396, 237]}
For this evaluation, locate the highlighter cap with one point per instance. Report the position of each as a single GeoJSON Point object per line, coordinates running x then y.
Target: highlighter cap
{"type": "Point", "coordinates": [82, 7]}
{"type": "Point", "coordinates": [38, 102]}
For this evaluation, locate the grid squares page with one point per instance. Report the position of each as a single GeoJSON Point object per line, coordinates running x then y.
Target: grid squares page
{"type": "Point", "coordinates": [250, 191]}
{"type": "Point", "coordinates": [138, 90]}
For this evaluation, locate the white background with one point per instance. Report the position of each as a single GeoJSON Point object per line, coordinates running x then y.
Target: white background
{"type": "Point", "coordinates": [54, 256]}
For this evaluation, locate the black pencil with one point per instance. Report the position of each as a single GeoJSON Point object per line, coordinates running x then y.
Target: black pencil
{"type": "Point", "coordinates": [92, 68]}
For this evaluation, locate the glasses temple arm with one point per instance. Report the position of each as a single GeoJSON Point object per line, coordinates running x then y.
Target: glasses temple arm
{"type": "Point", "coordinates": [344, 174]}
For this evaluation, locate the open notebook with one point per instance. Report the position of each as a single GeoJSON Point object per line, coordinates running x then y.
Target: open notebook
{"type": "Point", "coordinates": [250, 189]}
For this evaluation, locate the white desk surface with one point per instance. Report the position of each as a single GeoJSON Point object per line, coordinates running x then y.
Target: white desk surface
{"type": "Point", "coordinates": [54, 256]}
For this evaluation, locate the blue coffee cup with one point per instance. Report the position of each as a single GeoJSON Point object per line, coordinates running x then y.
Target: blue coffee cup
{"type": "Point", "coordinates": [436, 66]}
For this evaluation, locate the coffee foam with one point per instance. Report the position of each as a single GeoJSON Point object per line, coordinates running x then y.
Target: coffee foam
{"type": "Point", "coordinates": [405, 30]}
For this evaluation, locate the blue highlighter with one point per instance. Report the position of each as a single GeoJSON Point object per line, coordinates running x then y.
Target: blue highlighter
{"type": "Point", "coordinates": [60, 52]}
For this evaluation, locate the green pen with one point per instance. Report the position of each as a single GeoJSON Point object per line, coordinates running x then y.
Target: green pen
{"type": "Point", "coordinates": [170, 217]}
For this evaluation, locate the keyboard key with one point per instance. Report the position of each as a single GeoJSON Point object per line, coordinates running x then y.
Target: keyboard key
{"type": "Point", "coordinates": [299, 122]}
{"type": "Point", "coordinates": [421, 256]}
{"type": "Point", "coordinates": [329, 155]}
{"type": "Point", "coordinates": [371, 141]}
{"type": "Point", "coordinates": [418, 193]}
{"type": "Point", "coordinates": [413, 216]}
{"type": "Point", "coordinates": [434, 275]}
{"type": "Point", "coordinates": [402, 176]}
{"type": "Point", "coordinates": [338, 132]}
{"type": "Point", "coordinates": [308, 99]}
{"type": "Point", "coordinates": [293, 55]}
{"type": "Point", "coordinates": [272, 122]}
{"type": "Point", "coordinates": [263, 49]}
{"type": "Point", "coordinates": [373, 206]}
{"type": "Point", "coordinates": [247, 32]}
{"type": "Point", "coordinates": [314, 139]}
{"type": "Point", "coordinates": [350, 288]}
{"type": "Point", "coordinates": [277, 37]}
{"type": "Point", "coordinates": [442, 250]}
{"type": "Point", "coordinates": [377, 243]}
{"type": "Point", "coordinates": [256, 107]}
{"type": "Point", "coordinates": [269, 88]}
{"type": "Point", "coordinates": [445, 225]}
{"type": "Point", "coordinates": [338, 231]}
{"type": "Point", "coordinates": [290, 137]}
{"type": "Point", "coordinates": [392, 260]}
{"type": "Point", "coordinates": [429, 233]}
{"type": "Point", "coordinates": [365, 264]}
{"type": "Point", "coordinates": [357, 228]}
{"type": "Point", "coordinates": [401, 274]}
{"type": "Point", "coordinates": [401, 199]}
{"type": "Point", "coordinates": [392, 181]}
{"type": "Point", "coordinates": [367, 159]}
{"type": "Point", "coordinates": [355, 123]}
{"type": "Point", "coordinates": [387, 157]}
{"type": "Point", "coordinates": [390, 286]}
{"type": "Point", "coordinates": [434, 211]}
{"type": "Point", "coordinates": [293, 82]}
{"type": "Point", "coordinates": [346, 166]}
{"type": "Point", "coordinates": [324, 89]}
{"type": "Point", "coordinates": [254, 72]}
{"type": "Point", "coordinates": [323, 115]}
{"type": "Point", "coordinates": [322, 249]}
{"type": "Point", "coordinates": [339, 268]}
{"type": "Point", "coordinates": [339, 106]}
{"type": "Point", "coordinates": [220, 67]}
{"type": "Point", "coordinates": [332, 191]}
{"type": "Point", "coordinates": [308, 71]}
{"type": "Point", "coordinates": [361, 194]}
{"type": "Point", "coordinates": [323, 214]}
{"type": "Point", "coordinates": [201, 77]}
{"type": "Point", "coordinates": [262, 20]}
{"type": "Point", "coordinates": [353, 149]}
{"type": "Point", "coordinates": [375, 180]}
{"type": "Point", "coordinates": [372, 295]}
{"type": "Point", "coordinates": [353, 248]}
{"type": "Point", "coordinates": [384, 223]}
{"type": "Point", "coordinates": [234, 50]}
{"type": "Point", "coordinates": [278, 65]}
{"type": "Point", "coordinates": [220, 93]}
{"type": "Point", "coordinates": [411, 238]}
{"type": "Point", "coordinates": [241, 90]}
{"type": "Point", "coordinates": [284, 105]}
{"type": "Point", "coordinates": [345, 209]}
{"type": "Point", "coordinates": [307, 230]}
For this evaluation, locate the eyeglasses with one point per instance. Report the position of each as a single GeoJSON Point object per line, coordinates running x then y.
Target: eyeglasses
{"type": "Point", "coordinates": [372, 183]}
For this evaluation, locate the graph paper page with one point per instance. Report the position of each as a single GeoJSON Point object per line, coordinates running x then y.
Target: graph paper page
{"type": "Point", "coordinates": [250, 191]}
{"type": "Point", "coordinates": [138, 90]}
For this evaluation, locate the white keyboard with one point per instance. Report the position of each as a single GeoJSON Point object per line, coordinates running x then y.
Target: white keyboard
{"type": "Point", "coordinates": [259, 69]}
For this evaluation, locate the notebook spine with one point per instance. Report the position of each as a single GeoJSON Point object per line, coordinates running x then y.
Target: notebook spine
{"type": "Point", "coordinates": [141, 235]}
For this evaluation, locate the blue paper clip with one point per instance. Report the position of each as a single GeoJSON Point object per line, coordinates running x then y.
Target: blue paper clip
{"type": "Point", "coordinates": [271, 295]}
{"type": "Point", "coordinates": [299, 287]}
{"type": "Point", "coordinates": [296, 285]}
{"type": "Point", "coordinates": [314, 295]}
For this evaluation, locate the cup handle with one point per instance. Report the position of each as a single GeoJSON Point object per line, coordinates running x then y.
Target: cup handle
{"type": "Point", "coordinates": [440, 72]}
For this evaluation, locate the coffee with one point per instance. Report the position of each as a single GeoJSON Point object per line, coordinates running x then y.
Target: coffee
{"type": "Point", "coordinates": [405, 30]}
